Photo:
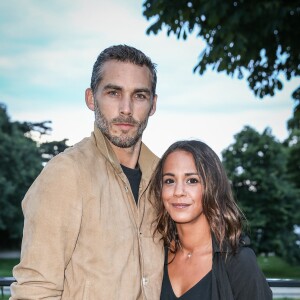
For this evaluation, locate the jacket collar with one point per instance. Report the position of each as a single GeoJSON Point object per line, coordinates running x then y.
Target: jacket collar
{"type": "Point", "coordinates": [147, 159]}
{"type": "Point", "coordinates": [226, 248]}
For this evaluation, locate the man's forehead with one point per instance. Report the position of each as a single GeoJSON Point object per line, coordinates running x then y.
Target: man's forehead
{"type": "Point", "coordinates": [118, 72]}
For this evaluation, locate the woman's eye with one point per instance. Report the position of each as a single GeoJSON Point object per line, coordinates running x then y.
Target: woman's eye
{"type": "Point", "coordinates": [168, 181]}
{"type": "Point", "coordinates": [193, 180]}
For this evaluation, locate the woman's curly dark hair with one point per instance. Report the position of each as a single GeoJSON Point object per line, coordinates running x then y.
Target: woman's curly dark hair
{"type": "Point", "coordinates": [224, 216]}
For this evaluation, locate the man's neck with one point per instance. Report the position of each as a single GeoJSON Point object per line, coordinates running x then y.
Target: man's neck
{"type": "Point", "coordinates": [128, 157]}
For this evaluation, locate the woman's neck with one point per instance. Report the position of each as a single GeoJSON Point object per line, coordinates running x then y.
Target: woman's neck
{"type": "Point", "coordinates": [194, 237]}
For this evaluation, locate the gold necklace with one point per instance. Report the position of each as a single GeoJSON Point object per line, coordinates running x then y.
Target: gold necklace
{"type": "Point", "coordinates": [189, 254]}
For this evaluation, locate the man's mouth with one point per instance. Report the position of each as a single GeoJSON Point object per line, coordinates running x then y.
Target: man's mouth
{"type": "Point", "coordinates": [124, 126]}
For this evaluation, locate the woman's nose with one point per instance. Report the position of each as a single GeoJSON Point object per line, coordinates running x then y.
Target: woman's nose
{"type": "Point", "coordinates": [179, 190]}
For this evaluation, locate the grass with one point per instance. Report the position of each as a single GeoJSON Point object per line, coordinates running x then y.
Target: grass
{"type": "Point", "coordinates": [275, 267]}
{"type": "Point", "coordinates": [6, 266]}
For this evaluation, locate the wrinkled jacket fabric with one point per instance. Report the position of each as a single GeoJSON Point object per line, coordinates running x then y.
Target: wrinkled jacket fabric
{"type": "Point", "coordinates": [84, 236]}
{"type": "Point", "coordinates": [238, 277]}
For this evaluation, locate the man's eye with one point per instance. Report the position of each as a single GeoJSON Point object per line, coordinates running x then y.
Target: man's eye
{"type": "Point", "coordinates": [113, 93]}
{"type": "Point", "coordinates": [140, 96]}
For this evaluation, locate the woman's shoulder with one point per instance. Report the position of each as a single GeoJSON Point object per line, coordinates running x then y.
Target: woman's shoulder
{"type": "Point", "coordinates": [244, 257]}
{"type": "Point", "coordinates": [246, 277]}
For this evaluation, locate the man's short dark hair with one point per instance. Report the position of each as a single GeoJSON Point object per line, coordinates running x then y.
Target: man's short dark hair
{"type": "Point", "coordinates": [122, 53]}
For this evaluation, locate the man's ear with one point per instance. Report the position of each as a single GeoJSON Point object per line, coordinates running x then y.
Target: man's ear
{"type": "Point", "coordinates": [89, 99]}
{"type": "Point", "coordinates": [153, 108]}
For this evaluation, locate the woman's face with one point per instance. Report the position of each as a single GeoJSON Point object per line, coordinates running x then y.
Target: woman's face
{"type": "Point", "coordinates": [182, 188]}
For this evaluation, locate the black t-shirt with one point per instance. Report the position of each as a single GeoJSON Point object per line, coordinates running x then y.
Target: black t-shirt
{"type": "Point", "coordinates": [134, 177]}
{"type": "Point", "coordinates": [201, 290]}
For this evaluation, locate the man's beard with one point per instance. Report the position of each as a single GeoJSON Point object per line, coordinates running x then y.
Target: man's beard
{"type": "Point", "coordinates": [123, 141]}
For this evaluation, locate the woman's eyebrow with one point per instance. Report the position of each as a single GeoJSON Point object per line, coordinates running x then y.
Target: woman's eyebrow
{"type": "Point", "coordinates": [168, 174]}
{"type": "Point", "coordinates": [186, 174]}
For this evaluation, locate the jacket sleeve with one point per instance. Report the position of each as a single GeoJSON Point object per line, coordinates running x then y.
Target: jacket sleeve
{"type": "Point", "coordinates": [246, 279]}
{"type": "Point", "coordinates": [52, 214]}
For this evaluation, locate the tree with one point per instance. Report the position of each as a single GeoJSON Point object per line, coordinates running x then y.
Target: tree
{"type": "Point", "coordinates": [20, 162]}
{"type": "Point", "coordinates": [50, 149]}
{"type": "Point", "coordinates": [293, 144]}
{"type": "Point", "coordinates": [256, 165]}
{"type": "Point", "coordinates": [293, 152]}
{"type": "Point", "coordinates": [257, 39]}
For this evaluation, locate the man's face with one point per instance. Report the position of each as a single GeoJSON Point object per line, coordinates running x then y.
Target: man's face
{"type": "Point", "coordinates": [123, 102]}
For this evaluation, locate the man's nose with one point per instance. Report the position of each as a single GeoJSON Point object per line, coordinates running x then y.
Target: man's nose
{"type": "Point", "coordinates": [126, 105]}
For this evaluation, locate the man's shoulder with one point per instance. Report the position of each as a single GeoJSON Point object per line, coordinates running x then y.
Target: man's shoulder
{"type": "Point", "coordinates": [147, 160]}
{"type": "Point", "coordinates": [82, 153]}
{"type": "Point", "coordinates": [84, 148]}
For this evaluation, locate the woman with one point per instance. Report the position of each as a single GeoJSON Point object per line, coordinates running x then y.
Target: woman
{"type": "Point", "coordinates": [201, 225]}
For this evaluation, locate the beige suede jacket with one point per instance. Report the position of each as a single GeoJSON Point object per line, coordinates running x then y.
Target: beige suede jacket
{"type": "Point", "coordinates": [84, 236]}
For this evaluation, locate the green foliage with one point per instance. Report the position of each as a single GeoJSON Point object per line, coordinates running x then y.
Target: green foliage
{"type": "Point", "coordinates": [293, 150]}
{"type": "Point", "coordinates": [21, 160]}
{"type": "Point", "coordinates": [293, 163]}
{"type": "Point", "coordinates": [293, 144]}
{"type": "Point", "coordinates": [294, 122]}
{"type": "Point", "coordinates": [257, 39]}
{"type": "Point", "coordinates": [256, 165]}
{"type": "Point", "coordinates": [50, 149]}
{"type": "Point", "coordinates": [20, 163]}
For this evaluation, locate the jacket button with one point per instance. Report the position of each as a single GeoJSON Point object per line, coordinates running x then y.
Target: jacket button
{"type": "Point", "coordinates": [145, 281]}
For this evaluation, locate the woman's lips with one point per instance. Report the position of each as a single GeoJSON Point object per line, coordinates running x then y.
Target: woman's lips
{"type": "Point", "coordinates": [180, 205]}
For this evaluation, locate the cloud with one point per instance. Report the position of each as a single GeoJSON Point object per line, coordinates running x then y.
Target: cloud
{"type": "Point", "coordinates": [217, 130]}
{"type": "Point", "coordinates": [48, 49]}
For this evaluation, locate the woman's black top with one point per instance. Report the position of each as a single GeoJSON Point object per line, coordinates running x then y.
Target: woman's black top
{"type": "Point", "coordinates": [233, 277]}
{"type": "Point", "coordinates": [201, 290]}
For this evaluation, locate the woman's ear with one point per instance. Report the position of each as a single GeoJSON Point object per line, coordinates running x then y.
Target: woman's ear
{"type": "Point", "coordinates": [89, 99]}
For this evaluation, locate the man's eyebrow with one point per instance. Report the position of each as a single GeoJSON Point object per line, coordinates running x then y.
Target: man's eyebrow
{"type": "Point", "coordinates": [119, 88]}
{"type": "Point", "coordinates": [142, 90]}
{"type": "Point", "coordinates": [112, 86]}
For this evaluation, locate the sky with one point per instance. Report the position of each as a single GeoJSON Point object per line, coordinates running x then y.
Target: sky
{"type": "Point", "coordinates": [47, 51]}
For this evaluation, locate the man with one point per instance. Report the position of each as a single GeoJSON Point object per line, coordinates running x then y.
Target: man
{"type": "Point", "coordinates": [87, 230]}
